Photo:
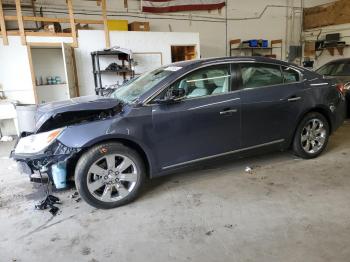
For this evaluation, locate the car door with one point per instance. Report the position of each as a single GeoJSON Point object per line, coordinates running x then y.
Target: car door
{"type": "Point", "coordinates": [271, 102]}
{"type": "Point", "coordinates": [204, 124]}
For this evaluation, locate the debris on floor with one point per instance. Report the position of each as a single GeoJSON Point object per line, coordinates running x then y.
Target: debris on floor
{"type": "Point", "coordinates": [209, 232]}
{"type": "Point", "coordinates": [75, 196]}
{"type": "Point", "coordinates": [49, 201]}
{"type": "Point", "coordinates": [6, 139]}
{"type": "Point", "coordinates": [249, 170]}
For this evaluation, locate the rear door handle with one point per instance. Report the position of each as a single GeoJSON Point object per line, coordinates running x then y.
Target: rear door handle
{"type": "Point", "coordinates": [294, 98]}
{"type": "Point", "coordinates": [228, 111]}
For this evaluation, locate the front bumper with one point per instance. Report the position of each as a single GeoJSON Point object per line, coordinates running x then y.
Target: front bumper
{"type": "Point", "coordinates": [29, 164]}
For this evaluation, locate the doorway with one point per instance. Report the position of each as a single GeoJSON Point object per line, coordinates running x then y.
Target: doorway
{"type": "Point", "coordinates": [183, 53]}
{"type": "Point", "coordinates": [53, 72]}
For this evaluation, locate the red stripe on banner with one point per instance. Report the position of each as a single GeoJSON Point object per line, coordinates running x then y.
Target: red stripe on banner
{"type": "Point", "coordinates": [179, 8]}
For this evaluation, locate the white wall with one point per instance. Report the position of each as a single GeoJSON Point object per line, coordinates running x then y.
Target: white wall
{"type": "Point", "coordinates": [92, 40]}
{"type": "Point", "coordinates": [15, 77]}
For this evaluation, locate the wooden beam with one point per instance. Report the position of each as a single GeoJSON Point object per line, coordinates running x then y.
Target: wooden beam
{"type": "Point", "coordinates": [104, 15]}
{"type": "Point", "coordinates": [3, 26]}
{"type": "Point", "coordinates": [48, 34]}
{"type": "Point", "coordinates": [334, 13]}
{"type": "Point", "coordinates": [20, 21]}
{"type": "Point", "coordinates": [72, 23]}
{"type": "Point", "coordinates": [53, 19]}
{"type": "Point", "coordinates": [17, 33]}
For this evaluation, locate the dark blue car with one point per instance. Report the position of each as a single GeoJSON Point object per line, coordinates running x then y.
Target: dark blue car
{"type": "Point", "coordinates": [179, 115]}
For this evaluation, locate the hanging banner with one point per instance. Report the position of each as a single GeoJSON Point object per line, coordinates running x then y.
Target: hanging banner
{"type": "Point", "coordinates": [165, 6]}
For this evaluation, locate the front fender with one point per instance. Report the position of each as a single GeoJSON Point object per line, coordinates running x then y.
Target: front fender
{"type": "Point", "coordinates": [88, 134]}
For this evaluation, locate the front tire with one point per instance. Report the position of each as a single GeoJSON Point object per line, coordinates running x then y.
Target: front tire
{"type": "Point", "coordinates": [109, 175]}
{"type": "Point", "coordinates": [311, 136]}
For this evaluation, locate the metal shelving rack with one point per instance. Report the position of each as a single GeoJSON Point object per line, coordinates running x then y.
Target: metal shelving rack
{"type": "Point", "coordinates": [120, 56]}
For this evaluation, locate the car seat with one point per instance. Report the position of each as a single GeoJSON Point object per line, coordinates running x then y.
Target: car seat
{"type": "Point", "coordinates": [222, 86]}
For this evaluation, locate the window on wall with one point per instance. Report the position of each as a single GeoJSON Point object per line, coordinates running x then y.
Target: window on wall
{"type": "Point", "coordinates": [212, 80]}
{"type": "Point", "coordinates": [290, 75]}
{"type": "Point", "coordinates": [182, 53]}
{"type": "Point", "coordinates": [260, 75]}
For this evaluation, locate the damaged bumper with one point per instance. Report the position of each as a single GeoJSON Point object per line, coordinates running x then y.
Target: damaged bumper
{"type": "Point", "coordinates": [56, 154]}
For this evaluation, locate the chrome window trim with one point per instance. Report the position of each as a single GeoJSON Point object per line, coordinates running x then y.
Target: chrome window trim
{"type": "Point", "coordinates": [224, 154]}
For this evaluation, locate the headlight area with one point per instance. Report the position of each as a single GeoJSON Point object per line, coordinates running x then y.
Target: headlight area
{"type": "Point", "coordinates": [43, 154]}
{"type": "Point", "coordinates": [37, 143]}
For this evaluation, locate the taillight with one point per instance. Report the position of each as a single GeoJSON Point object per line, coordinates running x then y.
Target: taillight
{"type": "Point", "coordinates": [341, 88]}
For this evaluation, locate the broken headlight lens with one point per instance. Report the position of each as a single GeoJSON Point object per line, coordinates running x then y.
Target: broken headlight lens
{"type": "Point", "coordinates": [37, 143]}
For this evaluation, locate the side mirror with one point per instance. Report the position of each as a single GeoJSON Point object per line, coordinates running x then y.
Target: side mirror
{"type": "Point", "coordinates": [173, 95]}
{"type": "Point", "coordinates": [347, 86]}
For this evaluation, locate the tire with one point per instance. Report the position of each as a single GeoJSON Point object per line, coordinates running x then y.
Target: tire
{"type": "Point", "coordinates": [103, 186]}
{"type": "Point", "coordinates": [312, 130]}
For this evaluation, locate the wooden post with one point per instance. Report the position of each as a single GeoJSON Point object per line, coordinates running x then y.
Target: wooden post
{"type": "Point", "coordinates": [32, 73]}
{"type": "Point", "coordinates": [20, 22]}
{"type": "Point", "coordinates": [104, 15]}
{"type": "Point", "coordinates": [72, 23]}
{"type": "Point", "coordinates": [3, 26]}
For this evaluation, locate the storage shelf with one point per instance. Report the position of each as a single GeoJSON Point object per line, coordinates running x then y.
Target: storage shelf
{"type": "Point", "coordinates": [63, 85]}
{"type": "Point", "coordinates": [252, 48]}
{"type": "Point", "coordinates": [108, 53]}
{"type": "Point", "coordinates": [121, 71]}
{"type": "Point", "coordinates": [331, 49]}
{"type": "Point", "coordinates": [125, 69]}
{"type": "Point", "coordinates": [236, 45]}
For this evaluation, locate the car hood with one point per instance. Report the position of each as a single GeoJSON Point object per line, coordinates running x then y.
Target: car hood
{"type": "Point", "coordinates": [74, 110]}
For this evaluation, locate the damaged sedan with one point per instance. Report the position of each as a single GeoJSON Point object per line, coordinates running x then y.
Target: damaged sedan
{"type": "Point", "coordinates": [176, 116]}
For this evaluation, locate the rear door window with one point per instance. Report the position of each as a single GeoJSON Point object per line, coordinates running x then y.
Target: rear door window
{"type": "Point", "coordinates": [290, 75]}
{"type": "Point", "coordinates": [260, 75]}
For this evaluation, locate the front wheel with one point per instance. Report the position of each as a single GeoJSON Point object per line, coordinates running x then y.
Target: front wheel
{"type": "Point", "coordinates": [109, 175]}
{"type": "Point", "coordinates": [311, 136]}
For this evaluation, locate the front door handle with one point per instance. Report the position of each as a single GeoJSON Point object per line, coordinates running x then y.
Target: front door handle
{"type": "Point", "coordinates": [294, 98]}
{"type": "Point", "coordinates": [228, 111]}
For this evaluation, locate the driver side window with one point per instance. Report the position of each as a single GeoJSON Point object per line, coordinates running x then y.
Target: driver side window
{"type": "Point", "coordinates": [207, 81]}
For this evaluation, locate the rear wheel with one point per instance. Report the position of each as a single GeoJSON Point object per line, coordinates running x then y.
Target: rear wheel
{"type": "Point", "coordinates": [109, 175]}
{"type": "Point", "coordinates": [312, 135]}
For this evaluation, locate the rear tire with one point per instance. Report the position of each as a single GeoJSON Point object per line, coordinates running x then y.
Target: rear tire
{"type": "Point", "coordinates": [311, 136]}
{"type": "Point", "coordinates": [109, 175]}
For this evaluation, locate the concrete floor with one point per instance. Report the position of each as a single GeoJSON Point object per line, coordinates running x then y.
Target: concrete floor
{"type": "Point", "coordinates": [288, 209]}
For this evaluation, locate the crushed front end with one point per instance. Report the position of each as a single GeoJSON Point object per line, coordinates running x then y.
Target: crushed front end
{"type": "Point", "coordinates": [50, 159]}
{"type": "Point", "coordinates": [41, 152]}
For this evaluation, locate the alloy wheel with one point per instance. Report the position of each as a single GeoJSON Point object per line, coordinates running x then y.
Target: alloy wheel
{"type": "Point", "coordinates": [313, 136]}
{"type": "Point", "coordinates": [112, 177]}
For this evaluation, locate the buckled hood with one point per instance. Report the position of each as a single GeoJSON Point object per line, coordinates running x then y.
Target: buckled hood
{"type": "Point", "coordinates": [67, 112]}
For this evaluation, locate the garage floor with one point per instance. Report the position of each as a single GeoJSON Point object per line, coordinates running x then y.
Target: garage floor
{"type": "Point", "coordinates": [286, 210]}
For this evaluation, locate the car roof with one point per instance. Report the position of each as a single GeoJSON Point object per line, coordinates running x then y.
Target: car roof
{"type": "Point", "coordinates": [215, 60]}
{"type": "Point", "coordinates": [339, 61]}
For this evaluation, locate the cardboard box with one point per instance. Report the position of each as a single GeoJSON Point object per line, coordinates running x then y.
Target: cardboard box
{"type": "Point", "coordinates": [117, 25]}
{"type": "Point", "coordinates": [139, 26]}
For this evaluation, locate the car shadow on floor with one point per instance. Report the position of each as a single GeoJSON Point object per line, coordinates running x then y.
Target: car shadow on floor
{"type": "Point", "coordinates": [234, 164]}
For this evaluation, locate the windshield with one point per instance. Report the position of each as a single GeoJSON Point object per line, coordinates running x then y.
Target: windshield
{"type": "Point", "coordinates": [335, 69]}
{"type": "Point", "coordinates": [131, 91]}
